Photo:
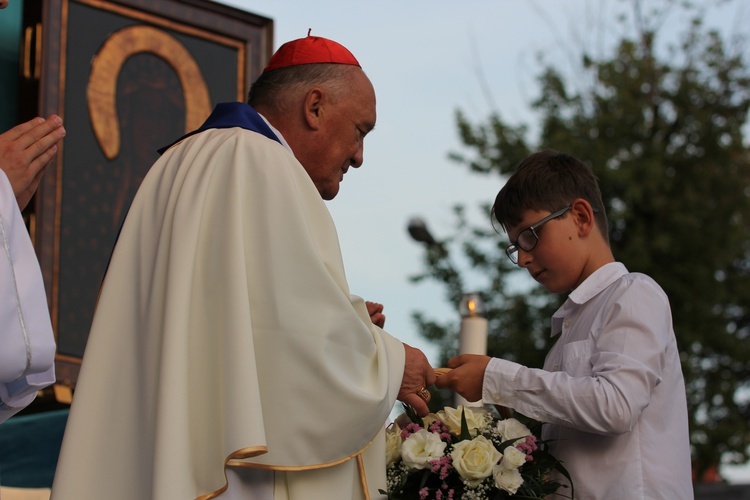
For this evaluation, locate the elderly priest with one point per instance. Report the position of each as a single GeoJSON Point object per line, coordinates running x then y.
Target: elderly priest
{"type": "Point", "coordinates": [227, 357]}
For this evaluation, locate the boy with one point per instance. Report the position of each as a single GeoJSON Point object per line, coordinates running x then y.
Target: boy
{"type": "Point", "coordinates": [611, 391]}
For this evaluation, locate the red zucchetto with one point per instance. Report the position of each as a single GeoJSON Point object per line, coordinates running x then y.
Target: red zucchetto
{"type": "Point", "coordinates": [310, 50]}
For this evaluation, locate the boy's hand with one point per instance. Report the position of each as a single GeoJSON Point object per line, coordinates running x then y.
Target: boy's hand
{"type": "Point", "coordinates": [466, 376]}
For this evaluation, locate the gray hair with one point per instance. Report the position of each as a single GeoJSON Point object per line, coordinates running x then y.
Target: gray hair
{"type": "Point", "coordinates": [278, 88]}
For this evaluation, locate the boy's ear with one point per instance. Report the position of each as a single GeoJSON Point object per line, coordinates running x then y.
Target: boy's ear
{"type": "Point", "coordinates": [584, 216]}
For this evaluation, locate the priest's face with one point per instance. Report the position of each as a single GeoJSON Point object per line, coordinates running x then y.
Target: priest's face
{"type": "Point", "coordinates": [346, 116]}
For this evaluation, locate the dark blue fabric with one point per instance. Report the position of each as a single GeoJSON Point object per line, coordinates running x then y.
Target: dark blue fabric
{"type": "Point", "coordinates": [232, 114]}
{"type": "Point", "coordinates": [29, 447]}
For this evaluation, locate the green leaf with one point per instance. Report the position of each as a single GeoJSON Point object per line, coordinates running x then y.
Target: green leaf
{"type": "Point", "coordinates": [465, 434]}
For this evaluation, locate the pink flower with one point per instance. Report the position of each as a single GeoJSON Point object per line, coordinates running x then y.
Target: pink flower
{"type": "Point", "coordinates": [442, 466]}
{"type": "Point", "coordinates": [527, 446]}
{"type": "Point", "coordinates": [438, 427]}
{"type": "Point", "coordinates": [409, 430]}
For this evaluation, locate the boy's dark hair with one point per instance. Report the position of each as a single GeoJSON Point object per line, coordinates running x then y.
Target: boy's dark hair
{"type": "Point", "coordinates": [548, 180]}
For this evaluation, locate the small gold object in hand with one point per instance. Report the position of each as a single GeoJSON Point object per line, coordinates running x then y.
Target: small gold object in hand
{"type": "Point", "coordinates": [424, 394]}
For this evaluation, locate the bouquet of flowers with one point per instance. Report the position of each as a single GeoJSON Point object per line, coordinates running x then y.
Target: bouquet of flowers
{"type": "Point", "coordinates": [468, 453]}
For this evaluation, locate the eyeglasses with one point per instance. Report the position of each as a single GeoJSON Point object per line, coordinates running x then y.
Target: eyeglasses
{"type": "Point", "coordinates": [527, 239]}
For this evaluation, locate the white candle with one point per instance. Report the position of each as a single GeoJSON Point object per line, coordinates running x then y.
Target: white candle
{"type": "Point", "coordinates": [473, 336]}
{"type": "Point", "coordinates": [472, 339]}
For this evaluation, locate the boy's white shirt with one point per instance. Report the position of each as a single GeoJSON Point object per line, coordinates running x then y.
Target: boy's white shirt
{"type": "Point", "coordinates": [611, 391]}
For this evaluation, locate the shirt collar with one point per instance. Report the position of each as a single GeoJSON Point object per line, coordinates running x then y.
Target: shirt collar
{"type": "Point", "coordinates": [598, 281]}
{"type": "Point", "coordinates": [591, 286]}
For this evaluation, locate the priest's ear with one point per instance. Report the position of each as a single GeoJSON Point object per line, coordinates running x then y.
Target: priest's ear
{"type": "Point", "coordinates": [313, 107]}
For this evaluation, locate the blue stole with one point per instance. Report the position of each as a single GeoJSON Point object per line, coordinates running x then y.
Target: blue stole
{"type": "Point", "coordinates": [232, 114]}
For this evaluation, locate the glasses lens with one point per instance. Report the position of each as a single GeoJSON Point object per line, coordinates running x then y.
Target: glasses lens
{"type": "Point", "coordinates": [512, 253]}
{"type": "Point", "coordinates": [527, 240]}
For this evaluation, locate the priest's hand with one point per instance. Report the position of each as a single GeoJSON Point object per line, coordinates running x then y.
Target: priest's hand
{"type": "Point", "coordinates": [376, 313]}
{"type": "Point", "coordinates": [25, 151]}
{"type": "Point", "coordinates": [418, 375]}
{"type": "Point", "coordinates": [466, 376]}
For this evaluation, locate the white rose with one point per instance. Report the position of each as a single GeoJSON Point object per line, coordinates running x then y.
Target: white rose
{"type": "Point", "coordinates": [392, 444]}
{"type": "Point", "coordinates": [475, 459]}
{"type": "Point", "coordinates": [510, 428]}
{"type": "Point", "coordinates": [513, 458]}
{"type": "Point", "coordinates": [421, 447]}
{"type": "Point", "coordinates": [477, 418]}
{"type": "Point", "coordinates": [507, 479]}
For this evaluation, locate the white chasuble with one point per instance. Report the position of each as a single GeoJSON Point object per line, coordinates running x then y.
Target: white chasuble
{"type": "Point", "coordinates": [226, 336]}
{"type": "Point", "coordinates": [27, 344]}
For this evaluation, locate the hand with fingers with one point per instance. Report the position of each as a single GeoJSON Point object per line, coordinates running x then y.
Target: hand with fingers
{"type": "Point", "coordinates": [465, 376]}
{"type": "Point", "coordinates": [418, 376]}
{"type": "Point", "coordinates": [376, 313]}
{"type": "Point", "coordinates": [25, 152]}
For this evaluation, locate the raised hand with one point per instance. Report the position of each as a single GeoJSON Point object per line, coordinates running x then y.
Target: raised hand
{"type": "Point", "coordinates": [376, 313]}
{"type": "Point", "coordinates": [25, 151]}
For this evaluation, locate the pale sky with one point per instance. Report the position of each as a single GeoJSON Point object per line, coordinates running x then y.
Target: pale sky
{"type": "Point", "coordinates": [426, 59]}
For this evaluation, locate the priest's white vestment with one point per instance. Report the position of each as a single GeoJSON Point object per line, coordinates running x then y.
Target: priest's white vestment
{"type": "Point", "coordinates": [27, 344]}
{"type": "Point", "coordinates": [225, 335]}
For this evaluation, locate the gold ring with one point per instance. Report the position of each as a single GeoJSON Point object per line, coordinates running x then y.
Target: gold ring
{"type": "Point", "coordinates": [424, 394]}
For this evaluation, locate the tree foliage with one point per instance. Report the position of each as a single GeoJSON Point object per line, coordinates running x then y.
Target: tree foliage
{"type": "Point", "coordinates": [663, 133]}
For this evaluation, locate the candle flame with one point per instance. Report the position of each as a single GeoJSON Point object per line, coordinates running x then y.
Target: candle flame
{"type": "Point", "coordinates": [472, 306]}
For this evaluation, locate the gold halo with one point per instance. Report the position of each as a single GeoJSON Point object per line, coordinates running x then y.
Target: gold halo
{"type": "Point", "coordinates": [106, 66]}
